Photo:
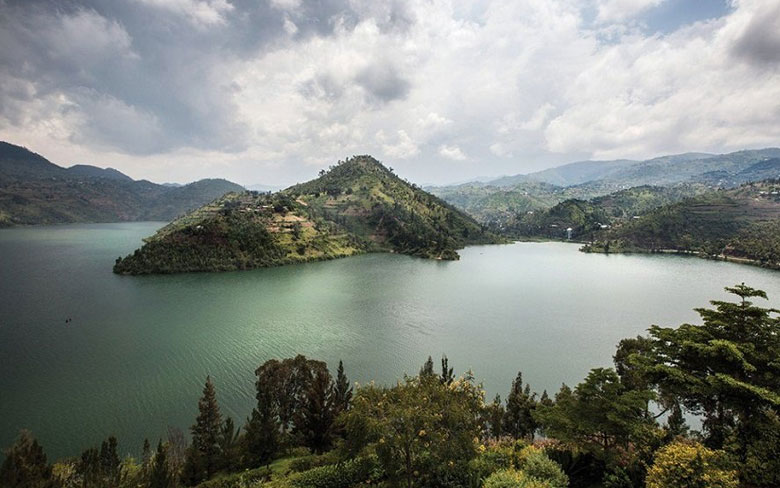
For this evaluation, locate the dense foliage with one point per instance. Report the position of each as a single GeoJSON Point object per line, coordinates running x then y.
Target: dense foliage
{"type": "Point", "coordinates": [358, 206]}
{"type": "Point", "coordinates": [619, 428]}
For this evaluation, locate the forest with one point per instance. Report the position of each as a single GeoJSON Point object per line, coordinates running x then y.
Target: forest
{"type": "Point", "coordinates": [624, 426]}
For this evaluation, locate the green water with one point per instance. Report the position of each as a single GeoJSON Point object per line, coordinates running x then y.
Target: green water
{"type": "Point", "coordinates": [132, 360]}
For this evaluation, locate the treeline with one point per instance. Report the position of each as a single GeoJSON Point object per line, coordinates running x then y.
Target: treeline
{"type": "Point", "coordinates": [620, 427]}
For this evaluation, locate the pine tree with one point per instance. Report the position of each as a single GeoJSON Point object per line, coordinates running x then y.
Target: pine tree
{"type": "Point", "coordinates": [496, 417]}
{"type": "Point", "coordinates": [204, 455]}
{"type": "Point", "coordinates": [520, 404]}
{"type": "Point", "coordinates": [146, 460]}
{"type": "Point", "coordinates": [675, 423]}
{"type": "Point", "coordinates": [314, 419]}
{"type": "Point", "coordinates": [160, 476]}
{"type": "Point", "coordinates": [262, 430]}
{"type": "Point", "coordinates": [229, 442]}
{"type": "Point", "coordinates": [25, 465]}
{"type": "Point", "coordinates": [342, 391]}
{"type": "Point", "coordinates": [427, 368]}
{"type": "Point", "coordinates": [446, 373]}
{"type": "Point", "coordinates": [109, 462]}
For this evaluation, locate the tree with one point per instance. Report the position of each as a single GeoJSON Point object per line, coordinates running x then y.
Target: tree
{"type": "Point", "coordinates": [427, 368]}
{"type": "Point", "coordinates": [342, 391]}
{"type": "Point", "coordinates": [446, 372]}
{"type": "Point", "coordinates": [724, 369]}
{"type": "Point", "coordinates": [146, 460]}
{"type": "Point", "coordinates": [690, 465]}
{"type": "Point", "coordinates": [420, 429]}
{"type": "Point", "coordinates": [494, 416]}
{"type": "Point", "coordinates": [109, 463]}
{"type": "Point", "coordinates": [599, 415]}
{"type": "Point", "coordinates": [229, 445]}
{"type": "Point", "coordinates": [25, 465]}
{"type": "Point", "coordinates": [205, 455]}
{"type": "Point", "coordinates": [313, 421]}
{"type": "Point", "coordinates": [520, 405]}
{"type": "Point", "coordinates": [160, 477]}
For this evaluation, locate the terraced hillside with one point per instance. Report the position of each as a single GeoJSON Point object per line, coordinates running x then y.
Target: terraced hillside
{"type": "Point", "coordinates": [741, 223]}
{"type": "Point", "coordinates": [358, 206]}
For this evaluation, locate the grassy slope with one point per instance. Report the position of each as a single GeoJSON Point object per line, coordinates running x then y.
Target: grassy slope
{"type": "Point", "coordinates": [394, 215]}
{"type": "Point", "coordinates": [240, 231]}
{"type": "Point", "coordinates": [357, 206]}
{"type": "Point", "coordinates": [741, 223]}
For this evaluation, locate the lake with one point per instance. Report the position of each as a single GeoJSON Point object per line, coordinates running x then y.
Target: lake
{"type": "Point", "coordinates": [134, 357]}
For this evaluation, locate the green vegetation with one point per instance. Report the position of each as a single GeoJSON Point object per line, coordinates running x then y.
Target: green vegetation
{"type": "Point", "coordinates": [309, 430]}
{"type": "Point", "coordinates": [358, 206]}
{"type": "Point", "coordinates": [36, 191]}
{"type": "Point", "coordinates": [742, 223]}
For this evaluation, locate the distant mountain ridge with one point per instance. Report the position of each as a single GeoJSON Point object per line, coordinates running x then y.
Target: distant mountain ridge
{"type": "Point", "coordinates": [357, 206]}
{"type": "Point", "coordinates": [498, 202]}
{"type": "Point", "coordinates": [34, 190]}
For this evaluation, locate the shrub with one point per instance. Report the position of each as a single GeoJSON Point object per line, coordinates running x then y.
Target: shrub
{"type": "Point", "coordinates": [540, 467]}
{"type": "Point", "coordinates": [510, 478]}
{"type": "Point", "coordinates": [341, 475]}
{"type": "Point", "coordinates": [690, 465]}
{"type": "Point", "coordinates": [491, 460]}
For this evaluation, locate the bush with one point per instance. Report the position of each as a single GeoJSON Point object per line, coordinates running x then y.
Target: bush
{"type": "Point", "coordinates": [540, 467]}
{"type": "Point", "coordinates": [690, 465]}
{"type": "Point", "coordinates": [341, 475]}
{"type": "Point", "coordinates": [510, 478]}
{"type": "Point", "coordinates": [490, 461]}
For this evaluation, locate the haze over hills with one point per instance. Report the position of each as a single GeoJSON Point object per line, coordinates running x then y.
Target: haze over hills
{"type": "Point", "coordinates": [357, 206]}
{"type": "Point", "coordinates": [34, 190]}
{"type": "Point", "coordinates": [498, 202]}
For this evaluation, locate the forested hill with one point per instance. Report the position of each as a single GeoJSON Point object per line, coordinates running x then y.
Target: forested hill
{"type": "Point", "coordinates": [501, 201]}
{"type": "Point", "coordinates": [741, 223]}
{"type": "Point", "coordinates": [34, 190]}
{"type": "Point", "coordinates": [357, 206]}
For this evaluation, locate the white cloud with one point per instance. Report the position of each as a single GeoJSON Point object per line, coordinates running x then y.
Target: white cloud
{"type": "Point", "coordinates": [199, 12]}
{"type": "Point", "coordinates": [452, 152]}
{"type": "Point", "coordinates": [508, 84]}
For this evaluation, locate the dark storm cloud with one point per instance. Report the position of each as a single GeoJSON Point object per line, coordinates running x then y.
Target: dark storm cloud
{"type": "Point", "coordinates": [147, 78]}
{"type": "Point", "coordinates": [383, 83]}
{"type": "Point", "coordinates": [760, 43]}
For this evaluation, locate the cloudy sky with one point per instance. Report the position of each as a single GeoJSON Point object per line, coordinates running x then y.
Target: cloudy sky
{"type": "Point", "coordinates": [270, 91]}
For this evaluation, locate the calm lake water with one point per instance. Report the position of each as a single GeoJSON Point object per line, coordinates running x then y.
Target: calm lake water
{"type": "Point", "coordinates": [134, 357]}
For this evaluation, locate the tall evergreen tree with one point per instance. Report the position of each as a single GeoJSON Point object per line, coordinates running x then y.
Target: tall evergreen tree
{"type": "Point", "coordinates": [427, 368]}
{"type": "Point", "coordinates": [262, 429]}
{"type": "Point", "coordinates": [204, 455]}
{"type": "Point", "coordinates": [342, 391]}
{"type": "Point", "coordinates": [446, 372]}
{"type": "Point", "coordinates": [89, 468]}
{"type": "Point", "coordinates": [520, 405]}
{"type": "Point", "coordinates": [675, 423]}
{"type": "Point", "coordinates": [25, 465]}
{"type": "Point", "coordinates": [109, 462]}
{"type": "Point", "coordinates": [314, 419]}
{"type": "Point", "coordinates": [146, 460]}
{"type": "Point", "coordinates": [229, 444]}
{"type": "Point", "coordinates": [160, 477]}
{"type": "Point", "coordinates": [495, 418]}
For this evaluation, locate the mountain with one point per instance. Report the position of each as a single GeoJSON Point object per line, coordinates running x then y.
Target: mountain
{"type": "Point", "coordinates": [498, 202]}
{"type": "Point", "coordinates": [87, 171]}
{"type": "Point", "coordinates": [586, 217]}
{"type": "Point", "coordinates": [742, 223]}
{"type": "Point", "coordinates": [34, 190]}
{"type": "Point", "coordinates": [357, 206]}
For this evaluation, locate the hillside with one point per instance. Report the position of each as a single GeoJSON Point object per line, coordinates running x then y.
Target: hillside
{"type": "Point", "coordinates": [742, 223]}
{"type": "Point", "coordinates": [34, 190]}
{"type": "Point", "coordinates": [498, 202]}
{"type": "Point", "coordinates": [358, 206]}
{"type": "Point", "coordinates": [586, 217]}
